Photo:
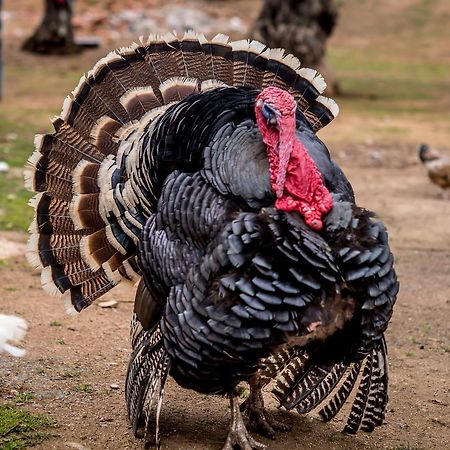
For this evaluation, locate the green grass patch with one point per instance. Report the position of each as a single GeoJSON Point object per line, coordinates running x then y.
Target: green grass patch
{"type": "Point", "coordinates": [84, 387]}
{"type": "Point", "coordinates": [20, 429]}
{"type": "Point", "coordinates": [5, 263]}
{"type": "Point", "coordinates": [15, 214]}
{"type": "Point", "coordinates": [73, 374]}
{"type": "Point", "coordinates": [17, 130]}
{"type": "Point", "coordinates": [24, 397]}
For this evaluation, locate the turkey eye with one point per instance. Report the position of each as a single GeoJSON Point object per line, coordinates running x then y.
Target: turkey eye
{"type": "Point", "coordinates": [269, 113]}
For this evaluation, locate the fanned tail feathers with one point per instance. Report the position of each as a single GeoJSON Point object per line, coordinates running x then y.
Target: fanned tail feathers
{"type": "Point", "coordinates": [89, 208]}
{"type": "Point", "coordinates": [305, 386]}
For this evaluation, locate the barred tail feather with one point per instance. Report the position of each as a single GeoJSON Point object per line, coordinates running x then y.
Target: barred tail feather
{"type": "Point", "coordinates": [147, 373]}
{"type": "Point", "coordinates": [336, 402]}
{"type": "Point", "coordinates": [304, 384]}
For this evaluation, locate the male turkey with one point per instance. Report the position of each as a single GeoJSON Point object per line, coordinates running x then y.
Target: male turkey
{"type": "Point", "coordinates": [193, 165]}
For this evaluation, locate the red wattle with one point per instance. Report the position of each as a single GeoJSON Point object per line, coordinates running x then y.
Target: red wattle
{"type": "Point", "coordinates": [294, 177]}
{"type": "Point", "coordinates": [304, 190]}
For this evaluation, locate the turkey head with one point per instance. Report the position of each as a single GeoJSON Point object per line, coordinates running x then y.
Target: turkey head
{"type": "Point", "coordinates": [294, 177]}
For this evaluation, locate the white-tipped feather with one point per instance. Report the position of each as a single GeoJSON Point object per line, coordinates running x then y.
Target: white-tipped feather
{"type": "Point", "coordinates": [34, 201]}
{"type": "Point", "coordinates": [102, 63]}
{"type": "Point", "coordinates": [126, 230]}
{"type": "Point", "coordinates": [130, 50]}
{"type": "Point", "coordinates": [87, 255]}
{"type": "Point", "coordinates": [247, 45]}
{"type": "Point", "coordinates": [307, 73]}
{"type": "Point", "coordinates": [104, 183]}
{"type": "Point", "coordinates": [242, 45]}
{"type": "Point", "coordinates": [76, 175]}
{"type": "Point", "coordinates": [123, 133]}
{"type": "Point", "coordinates": [150, 116]}
{"type": "Point", "coordinates": [257, 47]}
{"type": "Point", "coordinates": [113, 56]}
{"type": "Point", "coordinates": [330, 104]}
{"type": "Point", "coordinates": [134, 92]}
{"type": "Point", "coordinates": [292, 61]}
{"type": "Point", "coordinates": [70, 310]}
{"type": "Point", "coordinates": [177, 81]}
{"type": "Point", "coordinates": [32, 252]}
{"type": "Point", "coordinates": [74, 214]}
{"type": "Point", "coordinates": [169, 37]}
{"type": "Point", "coordinates": [99, 126]}
{"type": "Point", "coordinates": [114, 277]}
{"type": "Point", "coordinates": [207, 85]}
{"type": "Point", "coordinates": [67, 105]}
{"type": "Point", "coordinates": [38, 139]}
{"type": "Point", "coordinates": [48, 284]}
{"type": "Point", "coordinates": [190, 35]}
{"type": "Point", "coordinates": [202, 39]}
{"type": "Point", "coordinates": [131, 272]}
{"type": "Point", "coordinates": [132, 219]}
{"type": "Point", "coordinates": [12, 328]}
{"type": "Point", "coordinates": [319, 83]}
{"type": "Point", "coordinates": [33, 228]}
{"type": "Point", "coordinates": [79, 86]}
{"type": "Point", "coordinates": [34, 159]}
{"type": "Point", "coordinates": [314, 77]}
{"type": "Point", "coordinates": [220, 39]}
{"type": "Point", "coordinates": [114, 242]}
{"type": "Point", "coordinates": [28, 180]}
{"type": "Point", "coordinates": [106, 204]}
{"type": "Point", "coordinates": [277, 54]}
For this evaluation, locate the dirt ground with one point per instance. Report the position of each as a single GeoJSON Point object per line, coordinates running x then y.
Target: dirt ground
{"type": "Point", "coordinates": [75, 367]}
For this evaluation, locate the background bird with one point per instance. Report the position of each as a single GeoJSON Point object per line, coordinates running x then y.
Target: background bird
{"type": "Point", "coordinates": [192, 166]}
{"type": "Point", "coordinates": [437, 165]}
{"type": "Point", "coordinates": [13, 329]}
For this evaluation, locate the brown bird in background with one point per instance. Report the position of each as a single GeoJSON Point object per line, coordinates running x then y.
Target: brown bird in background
{"type": "Point", "coordinates": [437, 164]}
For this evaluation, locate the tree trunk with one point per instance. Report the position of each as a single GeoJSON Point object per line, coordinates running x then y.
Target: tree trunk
{"type": "Point", "coordinates": [302, 28]}
{"type": "Point", "coordinates": [55, 33]}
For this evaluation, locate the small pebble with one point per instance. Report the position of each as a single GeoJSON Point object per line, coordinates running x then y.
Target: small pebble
{"type": "Point", "coordinates": [114, 386]}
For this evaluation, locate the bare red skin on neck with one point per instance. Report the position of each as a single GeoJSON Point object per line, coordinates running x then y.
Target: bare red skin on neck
{"type": "Point", "coordinates": [294, 176]}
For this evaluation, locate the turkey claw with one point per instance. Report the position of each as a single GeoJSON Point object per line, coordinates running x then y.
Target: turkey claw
{"type": "Point", "coordinates": [243, 440]}
{"type": "Point", "coordinates": [257, 418]}
{"type": "Point", "coordinates": [238, 434]}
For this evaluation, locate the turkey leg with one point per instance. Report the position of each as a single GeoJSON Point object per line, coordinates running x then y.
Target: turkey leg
{"type": "Point", "coordinates": [256, 415]}
{"type": "Point", "coordinates": [238, 434]}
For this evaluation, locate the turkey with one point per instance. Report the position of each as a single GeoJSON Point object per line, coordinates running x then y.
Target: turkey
{"type": "Point", "coordinates": [437, 165]}
{"type": "Point", "coordinates": [192, 167]}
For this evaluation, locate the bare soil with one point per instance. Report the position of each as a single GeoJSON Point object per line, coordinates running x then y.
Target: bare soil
{"type": "Point", "coordinates": [72, 362]}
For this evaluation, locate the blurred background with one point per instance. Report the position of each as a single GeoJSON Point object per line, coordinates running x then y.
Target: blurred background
{"type": "Point", "coordinates": [387, 64]}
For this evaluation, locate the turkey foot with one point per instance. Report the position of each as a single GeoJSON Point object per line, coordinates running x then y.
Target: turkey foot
{"type": "Point", "coordinates": [256, 415]}
{"type": "Point", "coordinates": [238, 434]}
